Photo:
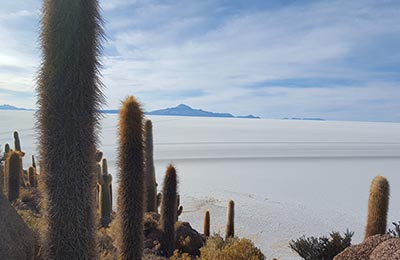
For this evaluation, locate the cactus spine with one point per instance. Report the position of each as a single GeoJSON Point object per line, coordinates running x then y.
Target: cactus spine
{"type": "Point", "coordinates": [168, 211]}
{"type": "Point", "coordinates": [69, 96]}
{"type": "Point", "coordinates": [377, 206]}
{"type": "Point", "coordinates": [13, 173]}
{"type": "Point", "coordinates": [230, 224]}
{"type": "Point", "coordinates": [131, 180]}
{"type": "Point", "coordinates": [150, 176]}
{"type": "Point", "coordinates": [206, 224]}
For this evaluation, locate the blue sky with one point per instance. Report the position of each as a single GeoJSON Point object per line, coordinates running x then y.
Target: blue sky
{"type": "Point", "coordinates": [338, 60]}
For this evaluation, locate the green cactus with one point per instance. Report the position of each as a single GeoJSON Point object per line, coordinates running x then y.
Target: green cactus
{"type": "Point", "coordinates": [378, 205]}
{"type": "Point", "coordinates": [206, 224]}
{"type": "Point", "coordinates": [230, 224]}
{"type": "Point", "coordinates": [168, 211]}
{"type": "Point", "coordinates": [150, 176]}
{"type": "Point", "coordinates": [13, 173]}
{"type": "Point", "coordinates": [69, 97]}
{"type": "Point", "coordinates": [32, 177]}
{"type": "Point", "coordinates": [131, 180]}
{"type": "Point", "coordinates": [105, 205]}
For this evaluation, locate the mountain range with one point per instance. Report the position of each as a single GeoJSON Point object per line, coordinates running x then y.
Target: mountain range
{"type": "Point", "coordinates": [185, 110]}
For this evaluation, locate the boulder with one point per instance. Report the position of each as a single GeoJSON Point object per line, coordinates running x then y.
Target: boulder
{"type": "Point", "coordinates": [188, 240]}
{"type": "Point", "coordinates": [17, 240]}
{"type": "Point", "coordinates": [364, 250]}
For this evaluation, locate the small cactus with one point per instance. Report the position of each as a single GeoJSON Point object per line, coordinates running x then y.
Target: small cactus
{"type": "Point", "coordinates": [33, 162]}
{"type": "Point", "coordinates": [206, 224]}
{"type": "Point", "coordinates": [180, 208]}
{"type": "Point", "coordinates": [17, 142]}
{"type": "Point", "coordinates": [131, 180]}
{"type": "Point", "coordinates": [168, 211]}
{"type": "Point", "coordinates": [13, 174]}
{"type": "Point", "coordinates": [105, 205]}
{"type": "Point", "coordinates": [230, 224]}
{"type": "Point", "coordinates": [377, 207]}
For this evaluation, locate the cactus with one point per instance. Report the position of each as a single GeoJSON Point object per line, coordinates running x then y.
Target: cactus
{"type": "Point", "coordinates": [105, 205]}
{"type": "Point", "coordinates": [377, 207]}
{"type": "Point", "coordinates": [180, 208]}
{"type": "Point", "coordinates": [206, 224]}
{"type": "Point", "coordinates": [150, 176]}
{"type": "Point", "coordinates": [168, 211]}
{"type": "Point", "coordinates": [105, 172]}
{"type": "Point", "coordinates": [159, 198]}
{"type": "Point", "coordinates": [6, 150]}
{"type": "Point", "coordinates": [131, 180]}
{"type": "Point", "coordinates": [230, 224]}
{"type": "Point", "coordinates": [33, 162]}
{"type": "Point", "coordinates": [17, 142]}
{"type": "Point", "coordinates": [69, 97]}
{"type": "Point", "coordinates": [32, 177]}
{"type": "Point", "coordinates": [13, 173]}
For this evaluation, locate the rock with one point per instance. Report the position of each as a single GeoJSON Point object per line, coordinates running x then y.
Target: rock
{"type": "Point", "coordinates": [152, 231]}
{"type": "Point", "coordinates": [188, 240]}
{"type": "Point", "coordinates": [17, 240]}
{"type": "Point", "coordinates": [387, 250]}
{"type": "Point", "coordinates": [364, 250]}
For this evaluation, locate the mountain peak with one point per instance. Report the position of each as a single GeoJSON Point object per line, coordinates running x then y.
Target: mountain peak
{"type": "Point", "coordinates": [183, 106]}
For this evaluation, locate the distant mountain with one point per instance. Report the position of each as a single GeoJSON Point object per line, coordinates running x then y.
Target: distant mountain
{"type": "Point", "coordinates": [9, 107]}
{"type": "Point", "coordinates": [185, 110]}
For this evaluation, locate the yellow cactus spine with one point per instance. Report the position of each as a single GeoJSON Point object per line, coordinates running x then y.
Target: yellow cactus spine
{"type": "Point", "coordinates": [131, 180]}
{"type": "Point", "coordinates": [206, 225]}
{"type": "Point", "coordinates": [378, 205]}
{"type": "Point", "coordinates": [69, 97]}
{"type": "Point", "coordinates": [13, 174]}
{"type": "Point", "coordinates": [230, 224]}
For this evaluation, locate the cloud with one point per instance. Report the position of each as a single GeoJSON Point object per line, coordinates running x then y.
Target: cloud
{"type": "Point", "coordinates": [274, 59]}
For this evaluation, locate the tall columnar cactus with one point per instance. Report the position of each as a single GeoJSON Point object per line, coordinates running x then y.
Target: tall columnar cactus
{"type": "Point", "coordinates": [206, 224]}
{"type": "Point", "coordinates": [6, 149]}
{"type": "Point", "coordinates": [13, 173]}
{"type": "Point", "coordinates": [69, 97]}
{"type": "Point", "coordinates": [32, 177]}
{"type": "Point", "coordinates": [230, 220]}
{"type": "Point", "coordinates": [17, 142]}
{"type": "Point", "coordinates": [150, 175]}
{"type": "Point", "coordinates": [131, 180]}
{"type": "Point", "coordinates": [105, 205]}
{"type": "Point", "coordinates": [377, 207]}
{"type": "Point", "coordinates": [168, 211]}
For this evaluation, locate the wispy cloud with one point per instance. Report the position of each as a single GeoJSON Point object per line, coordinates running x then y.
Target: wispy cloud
{"type": "Point", "coordinates": [336, 60]}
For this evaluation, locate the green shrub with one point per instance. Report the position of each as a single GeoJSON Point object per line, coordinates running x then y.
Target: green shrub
{"type": "Point", "coordinates": [321, 248]}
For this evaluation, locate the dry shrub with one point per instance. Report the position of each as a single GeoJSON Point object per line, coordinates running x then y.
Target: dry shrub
{"type": "Point", "coordinates": [105, 244]}
{"type": "Point", "coordinates": [181, 256]}
{"type": "Point", "coordinates": [232, 249]}
{"type": "Point", "coordinates": [321, 248]}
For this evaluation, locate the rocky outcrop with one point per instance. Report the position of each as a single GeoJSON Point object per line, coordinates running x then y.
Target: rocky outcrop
{"type": "Point", "coordinates": [17, 240]}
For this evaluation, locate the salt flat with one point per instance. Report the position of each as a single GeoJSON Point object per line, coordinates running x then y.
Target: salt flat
{"type": "Point", "coordinates": [287, 178]}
